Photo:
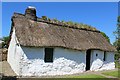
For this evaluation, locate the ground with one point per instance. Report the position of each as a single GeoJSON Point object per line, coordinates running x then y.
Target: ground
{"type": "Point", "coordinates": [7, 71]}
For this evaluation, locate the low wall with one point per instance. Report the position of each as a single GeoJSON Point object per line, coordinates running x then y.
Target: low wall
{"type": "Point", "coordinates": [3, 54]}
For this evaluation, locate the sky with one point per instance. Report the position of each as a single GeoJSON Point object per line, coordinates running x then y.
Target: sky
{"type": "Point", "coordinates": [60, 0]}
{"type": "Point", "coordinates": [118, 15]}
{"type": "Point", "coordinates": [101, 15]}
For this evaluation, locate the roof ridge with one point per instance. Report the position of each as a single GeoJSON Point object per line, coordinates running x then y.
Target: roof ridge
{"type": "Point", "coordinates": [65, 25]}
{"type": "Point", "coordinates": [59, 23]}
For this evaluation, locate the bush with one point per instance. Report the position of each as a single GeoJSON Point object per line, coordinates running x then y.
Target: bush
{"type": "Point", "coordinates": [5, 41]}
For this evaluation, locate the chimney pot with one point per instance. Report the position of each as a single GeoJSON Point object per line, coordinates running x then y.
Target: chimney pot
{"type": "Point", "coordinates": [30, 12]}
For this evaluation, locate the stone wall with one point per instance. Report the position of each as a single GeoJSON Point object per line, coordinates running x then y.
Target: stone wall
{"type": "Point", "coordinates": [3, 54]}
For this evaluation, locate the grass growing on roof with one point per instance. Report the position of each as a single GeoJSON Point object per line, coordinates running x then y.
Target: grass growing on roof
{"type": "Point", "coordinates": [70, 23]}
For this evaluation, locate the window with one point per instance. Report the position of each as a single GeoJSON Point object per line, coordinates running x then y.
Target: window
{"type": "Point", "coordinates": [48, 55]}
{"type": "Point", "coordinates": [96, 54]}
{"type": "Point", "coordinates": [104, 58]}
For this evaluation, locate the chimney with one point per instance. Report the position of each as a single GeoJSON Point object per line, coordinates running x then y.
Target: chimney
{"type": "Point", "coordinates": [30, 12]}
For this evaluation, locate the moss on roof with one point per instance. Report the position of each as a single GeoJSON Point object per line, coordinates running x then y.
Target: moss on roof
{"type": "Point", "coordinates": [67, 23]}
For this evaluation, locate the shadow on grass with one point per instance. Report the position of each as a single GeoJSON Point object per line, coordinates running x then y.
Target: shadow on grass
{"type": "Point", "coordinates": [67, 79]}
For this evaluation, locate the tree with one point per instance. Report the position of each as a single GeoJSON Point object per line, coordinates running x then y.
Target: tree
{"type": "Point", "coordinates": [117, 42]}
{"type": "Point", "coordinates": [5, 41]}
{"type": "Point", "coordinates": [117, 33]}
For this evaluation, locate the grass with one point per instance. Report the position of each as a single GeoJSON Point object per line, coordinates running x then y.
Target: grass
{"type": "Point", "coordinates": [88, 76]}
{"type": "Point", "coordinates": [117, 65]}
{"type": "Point", "coordinates": [111, 73]}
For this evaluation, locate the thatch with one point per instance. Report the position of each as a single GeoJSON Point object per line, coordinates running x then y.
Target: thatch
{"type": "Point", "coordinates": [44, 34]}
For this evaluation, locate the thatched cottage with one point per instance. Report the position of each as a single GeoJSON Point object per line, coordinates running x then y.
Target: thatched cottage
{"type": "Point", "coordinates": [40, 47]}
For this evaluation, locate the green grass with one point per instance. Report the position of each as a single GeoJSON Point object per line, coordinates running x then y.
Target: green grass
{"type": "Point", "coordinates": [88, 76]}
{"type": "Point", "coordinates": [117, 65]}
{"type": "Point", "coordinates": [111, 73]}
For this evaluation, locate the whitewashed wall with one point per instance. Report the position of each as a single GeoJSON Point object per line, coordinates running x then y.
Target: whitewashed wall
{"type": "Point", "coordinates": [109, 63]}
{"type": "Point", "coordinates": [14, 54]}
{"type": "Point", "coordinates": [64, 62]}
{"type": "Point", "coordinates": [97, 62]}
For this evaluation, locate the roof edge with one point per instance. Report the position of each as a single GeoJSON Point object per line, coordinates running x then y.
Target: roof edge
{"type": "Point", "coordinates": [70, 48]}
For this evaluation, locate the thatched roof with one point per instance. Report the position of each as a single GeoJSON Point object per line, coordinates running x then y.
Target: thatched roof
{"type": "Point", "coordinates": [41, 33]}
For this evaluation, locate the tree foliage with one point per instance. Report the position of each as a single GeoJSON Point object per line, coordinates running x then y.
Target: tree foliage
{"type": "Point", "coordinates": [5, 41]}
{"type": "Point", "coordinates": [117, 42]}
{"type": "Point", "coordinates": [117, 33]}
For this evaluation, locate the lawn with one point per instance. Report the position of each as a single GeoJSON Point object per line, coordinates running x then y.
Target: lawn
{"type": "Point", "coordinates": [111, 73]}
{"type": "Point", "coordinates": [88, 76]}
{"type": "Point", "coordinates": [117, 65]}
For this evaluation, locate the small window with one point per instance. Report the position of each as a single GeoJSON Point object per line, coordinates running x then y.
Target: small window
{"type": "Point", "coordinates": [48, 55]}
{"type": "Point", "coordinates": [104, 58]}
{"type": "Point", "coordinates": [96, 54]}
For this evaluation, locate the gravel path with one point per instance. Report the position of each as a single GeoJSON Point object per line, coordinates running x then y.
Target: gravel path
{"type": "Point", "coordinates": [6, 69]}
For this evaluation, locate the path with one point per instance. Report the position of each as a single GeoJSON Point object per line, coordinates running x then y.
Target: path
{"type": "Point", "coordinates": [6, 69]}
{"type": "Point", "coordinates": [97, 73]}
{"type": "Point", "coordinates": [100, 73]}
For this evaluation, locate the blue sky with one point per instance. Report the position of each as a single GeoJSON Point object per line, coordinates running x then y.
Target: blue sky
{"type": "Point", "coordinates": [101, 15]}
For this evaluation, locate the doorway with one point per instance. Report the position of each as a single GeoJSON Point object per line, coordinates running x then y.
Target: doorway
{"type": "Point", "coordinates": [88, 57]}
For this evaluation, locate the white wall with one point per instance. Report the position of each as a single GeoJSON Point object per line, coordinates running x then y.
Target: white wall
{"type": "Point", "coordinates": [64, 62]}
{"type": "Point", "coordinates": [14, 54]}
{"type": "Point", "coordinates": [109, 63]}
{"type": "Point", "coordinates": [97, 62]}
